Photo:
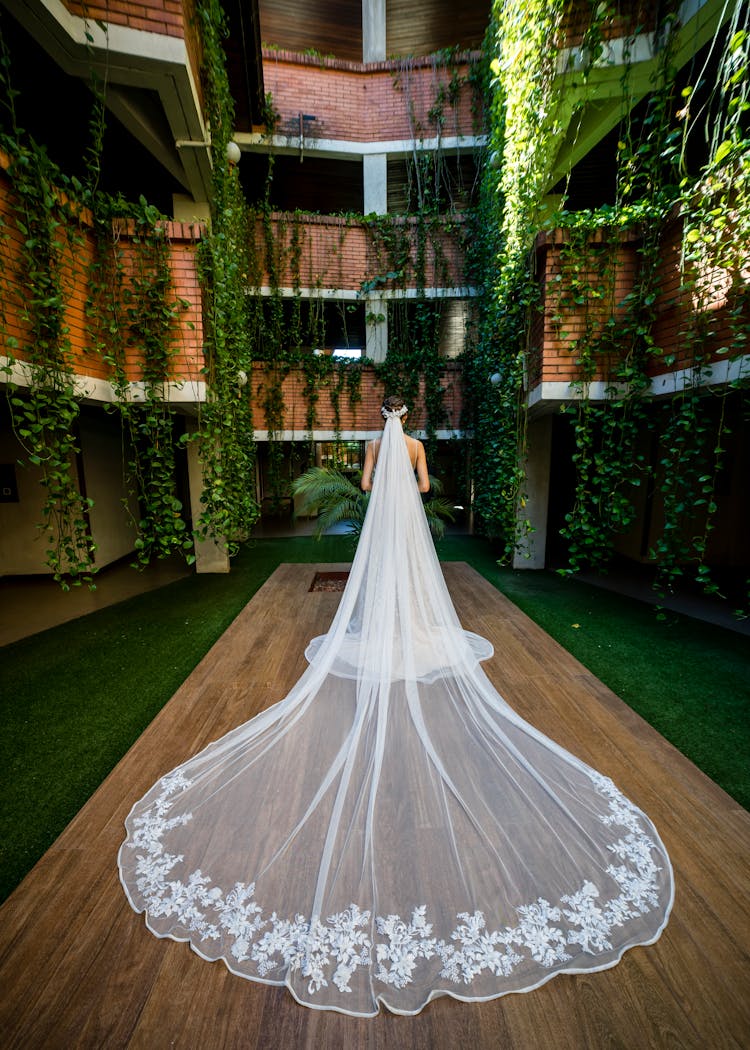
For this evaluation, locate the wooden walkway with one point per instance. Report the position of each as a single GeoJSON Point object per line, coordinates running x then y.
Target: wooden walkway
{"type": "Point", "coordinates": [79, 969]}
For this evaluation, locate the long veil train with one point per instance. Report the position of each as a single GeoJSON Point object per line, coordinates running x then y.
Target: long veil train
{"type": "Point", "coordinates": [392, 830]}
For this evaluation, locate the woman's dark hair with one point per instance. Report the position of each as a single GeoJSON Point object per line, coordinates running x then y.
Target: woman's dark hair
{"type": "Point", "coordinates": [393, 404]}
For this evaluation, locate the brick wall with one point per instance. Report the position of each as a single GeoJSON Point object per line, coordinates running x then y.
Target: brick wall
{"type": "Point", "coordinates": [166, 17]}
{"type": "Point", "coordinates": [552, 354]}
{"type": "Point", "coordinates": [340, 253]}
{"type": "Point", "coordinates": [693, 315]}
{"type": "Point", "coordinates": [360, 102]}
{"type": "Point", "coordinates": [627, 16]}
{"type": "Point", "coordinates": [364, 416]}
{"type": "Point", "coordinates": [77, 256]}
{"type": "Point", "coordinates": [561, 322]}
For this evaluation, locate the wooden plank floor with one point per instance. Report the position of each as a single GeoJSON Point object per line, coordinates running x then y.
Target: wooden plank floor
{"type": "Point", "coordinates": [79, 969]}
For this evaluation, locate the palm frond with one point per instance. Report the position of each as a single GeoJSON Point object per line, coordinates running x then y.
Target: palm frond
{"type": "Point", "coordinates": [350, 510]}
{"type": "Point", "coordinates": [336, 498]}
{"type": "Point", "coordinates": [319, 486]}
{"type": "Point", "coordinates": [437, 512]}
{"type": "Point", "coordinates": [333, 496]}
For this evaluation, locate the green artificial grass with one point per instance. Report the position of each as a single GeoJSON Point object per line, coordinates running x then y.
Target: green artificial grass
{"type": "Point", "coordinates": [76, 697]}
{"type": "Point", "coordinates": [689, 679]}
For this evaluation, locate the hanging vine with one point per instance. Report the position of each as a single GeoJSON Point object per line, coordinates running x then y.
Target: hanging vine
{"type": "Point", "coordinates": [524, 127]}
{"type": "Point", "coordinates": [44, 228]}
{"type": "Point", "coordinates": [70, 246]}
{"type": "Point", "coordinates": [406, 254]}
{"type": "Point", "coordinates": [133, 314]}
{"type": "Point", "coordinates": [612, 338]}
{"type": "Point", "coordinates": [225, 432]}
{"type": "Point", "coordinates": [609, 459]}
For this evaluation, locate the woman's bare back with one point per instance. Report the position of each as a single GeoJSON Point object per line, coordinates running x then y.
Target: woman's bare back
{"type": "Point", "coordinates": [417, 459]}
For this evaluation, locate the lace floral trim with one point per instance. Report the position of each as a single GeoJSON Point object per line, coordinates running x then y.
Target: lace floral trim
{"type": "Point", "coordinates": [334, 948]}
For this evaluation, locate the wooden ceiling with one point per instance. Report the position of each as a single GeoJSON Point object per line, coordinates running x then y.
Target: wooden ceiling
{"type": "Point", "coordinates": [419, 27]}
{"type": "Point", "coordinates": [330, 27]}
{"type": "Point", "coordinates": [334, 27]}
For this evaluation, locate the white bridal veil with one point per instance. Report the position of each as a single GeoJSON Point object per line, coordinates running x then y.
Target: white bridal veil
{"type": "Point", "coordinates": [392, 830]}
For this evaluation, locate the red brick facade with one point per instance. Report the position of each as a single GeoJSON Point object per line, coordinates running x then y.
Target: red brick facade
{"type": "Point", "coordinates": [166, 17]}
{"type": "Point", "coordinates": [373, 102]}
{"type": "Point", "coordinates": [337, 253]}
{"type": "Point", "coordinates": [340, 253]}
{"type": "Point", "coordinates": [560, 322]}
{"type": "Point", "coordinates": [365, 415]}
{"type": "Point", "coordinates": [77, 257]}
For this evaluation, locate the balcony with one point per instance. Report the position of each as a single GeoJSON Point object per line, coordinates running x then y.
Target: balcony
{"type": "Point", "coordinates": [362, 418]}
{"type": "Point", "coordinates": [347, 255]}
{"type": "Point", "coordinates": [332, 107]}
{"type": "Point", "coordinates": [583, 305]}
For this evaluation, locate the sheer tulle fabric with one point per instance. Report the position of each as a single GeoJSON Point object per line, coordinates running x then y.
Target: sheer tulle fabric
{"type": "Point", "coordinates": [392, 830]}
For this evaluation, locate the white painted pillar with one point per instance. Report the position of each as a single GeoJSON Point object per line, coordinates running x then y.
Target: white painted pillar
{"type": "Point", "coordinates": [531, 554]}
{"type": "Point", "coordinates": [375, 180]}
{"type": "Point", "coordinates": [210, 556]}
{"type": "Point", "coordinates": [373, 30]}
{"type": "Point", "coordinates": [376, 329]}
{"type": "Point", "coordinates": [375, 175]}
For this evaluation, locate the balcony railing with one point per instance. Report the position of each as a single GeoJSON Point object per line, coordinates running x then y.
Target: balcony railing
{"type": "Point", "coordinates": [576, 333]}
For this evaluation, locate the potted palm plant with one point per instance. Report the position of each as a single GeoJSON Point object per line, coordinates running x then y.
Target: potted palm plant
{"type": "Point", "coordinates": [337, 498]}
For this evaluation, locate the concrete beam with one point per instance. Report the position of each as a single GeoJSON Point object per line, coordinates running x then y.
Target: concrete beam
{"type": "Point", "coordinates": [375, 180]}
{"type": "Point", "coordinates": [126, 58]}
{"type": "Point", "coordinates": [531, 552]}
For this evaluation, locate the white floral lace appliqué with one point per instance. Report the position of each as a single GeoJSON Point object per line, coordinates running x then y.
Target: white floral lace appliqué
{"type": "Point", "coordinates": [334, 948]}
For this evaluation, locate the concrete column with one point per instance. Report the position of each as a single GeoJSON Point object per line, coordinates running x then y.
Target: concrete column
{"type": "Point", "coordinates": [376, 329]}
{"type": "Point", "coordinates": [375, 173]}
{"type": "Point", "coordinates": [373, 30]}
{"type": "Point", "coordinates": [538, 459]}
{"type": "Point", "coordinates": [210, 556]}
{"type": "Point", "coordinates": [375, 181]}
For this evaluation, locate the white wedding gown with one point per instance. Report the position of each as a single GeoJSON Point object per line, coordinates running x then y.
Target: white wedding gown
{"type": "Point", "coordinates": [392, 830]}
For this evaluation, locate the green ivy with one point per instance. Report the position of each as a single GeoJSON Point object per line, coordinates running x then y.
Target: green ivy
{"type": "Point", "coordinates": [45, 412]}
{"type": "Point", "coordinates": [133, 312]}
{"type": "Point", "coordinates": [614, 342]}
{"type": "Point", "coordinates": [519, 76]}
{"type": "Point", "coordinates": [225, 431]}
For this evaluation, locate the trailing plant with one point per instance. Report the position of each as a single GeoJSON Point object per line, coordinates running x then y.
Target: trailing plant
{"type": "Point", "coordinates": [45, 231]}
{"type": "Point", "coordinates": [611, 338]}
{"type": "Point", "coordinates": [225, 430]}
{"type": "Point", "coordinates": [133, 314]}
{"type": "Point", "coordinates": [715, 211]}
{"type": "Point", "coordinates": [407, 248]}
{"type": "Point", "coordinates": [609, 458]}
{"type": "Point", "coordinates": [404, 251]}
{"type": "Point", "coordinates": [524, 127]}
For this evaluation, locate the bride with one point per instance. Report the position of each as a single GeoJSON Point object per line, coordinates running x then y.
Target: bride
{"type": "Point", "coordinates": [392, 830]}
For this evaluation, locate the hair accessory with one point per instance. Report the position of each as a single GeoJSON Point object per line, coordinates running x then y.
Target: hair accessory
{"type": "Point", "coordinates": [394, 413]}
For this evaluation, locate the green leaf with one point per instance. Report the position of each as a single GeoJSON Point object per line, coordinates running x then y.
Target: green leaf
{"type": "Point", "coordinates": [722, 152]}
